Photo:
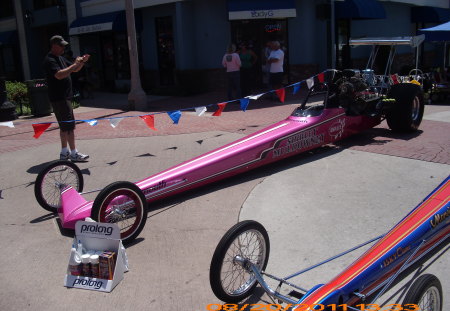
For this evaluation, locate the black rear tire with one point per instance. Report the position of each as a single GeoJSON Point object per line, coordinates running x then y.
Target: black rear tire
{"type": "Point", "coordinates": [123, 203]}
{"type": "Point", "coordinates": [406, 113]}
{"type": "Point", "coordinates": [229, 281]}
{"type": "Point", "coordinates": [52, 179]}
{"type": "Point", "coordinates": [426, 292]}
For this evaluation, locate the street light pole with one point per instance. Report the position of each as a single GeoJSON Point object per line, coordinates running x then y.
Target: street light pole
{"type": "Point", "coordinates": [137, 98]}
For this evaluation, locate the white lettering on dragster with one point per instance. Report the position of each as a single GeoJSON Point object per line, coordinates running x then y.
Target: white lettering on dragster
{"type": "Point", "coordinates": [337, 129]}
{"type": "Point", "coordinates": [299, 141]}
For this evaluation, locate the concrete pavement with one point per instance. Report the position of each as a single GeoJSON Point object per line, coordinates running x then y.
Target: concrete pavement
{"type": "Point", "coordinates": [313, 205]}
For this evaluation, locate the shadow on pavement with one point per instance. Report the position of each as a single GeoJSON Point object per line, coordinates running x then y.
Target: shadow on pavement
{"type": "Point", "coordinates": [43, 218]}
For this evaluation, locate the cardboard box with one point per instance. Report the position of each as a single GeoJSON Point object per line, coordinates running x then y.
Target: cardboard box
{"type": "Point", "coordinates": [103, 237]}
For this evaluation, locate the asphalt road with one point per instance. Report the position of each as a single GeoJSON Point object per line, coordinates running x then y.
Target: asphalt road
{"type": "Point", "coordinates": [313, 206]}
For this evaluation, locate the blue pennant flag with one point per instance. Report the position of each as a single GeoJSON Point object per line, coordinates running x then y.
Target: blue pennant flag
{"type": "Point", "coordinates": [175, 116]}
{"type": "Point", "coordinates": [244, 103]}
{"type": "Point", "coordinates": [296, 88]}
{"type": "Point", "coordinates": [92, 122]}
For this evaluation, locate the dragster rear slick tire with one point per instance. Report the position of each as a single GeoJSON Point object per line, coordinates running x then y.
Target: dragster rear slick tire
{"type": "Point", "coordinates": [123, 203]}
{"type": "Point", "coordinates": [406, 113]}
{"type": "Point", "coordinates": [426, 292]}
{"type": "Point", "coordinates": [230, 281]}
{"type": "Point", "coordinates": [52, 179]}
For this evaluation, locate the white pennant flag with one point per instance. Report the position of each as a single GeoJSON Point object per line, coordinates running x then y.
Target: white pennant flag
{"type": "Point", "coordinates": [200, 110]}
{"type": "Point", "coordinates": [115, 122]}
{"type": "Point", "coordinates": [8, 124]}
{"type": "Point", "coordinates": [310, 82]}
{"type": "Point", "coordinates": [254, 97]}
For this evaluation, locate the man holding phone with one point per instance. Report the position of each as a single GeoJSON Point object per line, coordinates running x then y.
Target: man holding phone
{"type": "Point", "coordinates": [57, 70]}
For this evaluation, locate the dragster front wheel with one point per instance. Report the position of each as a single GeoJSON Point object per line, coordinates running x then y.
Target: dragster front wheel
{"type": "Point", "coordinates": [229, 280]}
{"type": "Point", "coordinates": [56, 176]}
{"type": "Point", "coordinates": [122, 203]}
{"type": "Point", "coordinates": [426, 293]}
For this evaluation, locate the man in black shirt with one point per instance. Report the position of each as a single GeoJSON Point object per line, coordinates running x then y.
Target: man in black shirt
{"type": "Point", "coordinates": [57, 71]}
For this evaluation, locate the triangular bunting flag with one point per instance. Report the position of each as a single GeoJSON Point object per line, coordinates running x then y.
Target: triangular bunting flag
{"type": "Point", "coordinates": [200, 110]}
{"type": "Point", "coordinates": [310, 82]}
{"type": "Point", "coordinates": [8, 124]}
{"type": "Point", "coordinates": [40, 128]}
{"type": "Point", "coordinates": [244, 103]}
{"type": "Point", "coordinates": [115, 122]}
{"type": "Point", "coordinates": [149, 120]}
{"type": "Point", "coordinates": [218, 112]}
{"type": "Point", "coordinates": [91, 122]}
{"type": "Point", "coordinates": [255, 97]}
{"type": "Point", "coordinates": [281, 94]}
{"type": "Point", "coordinates": [296, 88]}
{"type": "Point", "coordinates": [321, 77]}
{"type": "Point", "coordinates": [175, 116]}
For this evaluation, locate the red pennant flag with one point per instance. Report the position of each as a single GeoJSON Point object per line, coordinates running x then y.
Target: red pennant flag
{"type": "Point", "coordinates": [218, 112]}
{"type": "Point", "coordinates": [150, 121]}
{"type": "Point", "coordinates": [394, 79]}
{"type": "Point", "coordinates": [40, 128]}
{"type": "Point", "coordinates": [321, 77]}
{"type": "Point", "coordinates": [281, 94]}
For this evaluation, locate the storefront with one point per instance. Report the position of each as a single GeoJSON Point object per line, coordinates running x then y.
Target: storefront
{"type": "Point", "coordinates": [345, 12]}
{"type": "Point", "coordinates": [255, 23]}
{"type": "Point", "coordinates": [104, 37]}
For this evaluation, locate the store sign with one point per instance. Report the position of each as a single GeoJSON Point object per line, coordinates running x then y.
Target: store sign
{"type": "Point", "coordinates": [90, 28]}
{"type": "Point", "coordinates": [272, 27]}
{"type": "Point", "coordinates": [262, 14]}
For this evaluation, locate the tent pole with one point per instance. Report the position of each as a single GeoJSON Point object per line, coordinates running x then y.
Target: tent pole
{"type": "Point", "coordinates": [445, 53]}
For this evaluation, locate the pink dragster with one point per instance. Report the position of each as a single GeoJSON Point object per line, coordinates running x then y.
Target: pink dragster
{"type": "Point", "coordinates": [343, 103]}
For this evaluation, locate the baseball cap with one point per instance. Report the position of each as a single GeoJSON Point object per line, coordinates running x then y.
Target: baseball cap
{"type": "Point", "coordinates": [58, 40]}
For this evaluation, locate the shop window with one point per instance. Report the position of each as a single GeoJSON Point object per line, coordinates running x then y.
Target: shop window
{"type": "Point", "coordinates": [166, 50]}
{"type": "Point", "coordinates": [122, 57]}
{"type": "Point", "coordinates": [6, 8]}
{"type": "Point", "coordinates": [7, 64]}
{"type": "Point", "coordinates": [343, 59]}
{"type": "Point", "coordinates": [43, 4]}
{"type": "Point", "coordinates": [255, 34]}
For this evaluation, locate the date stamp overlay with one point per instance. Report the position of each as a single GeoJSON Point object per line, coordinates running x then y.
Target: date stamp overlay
{"type": "Point", "coordinates": [314, 307]}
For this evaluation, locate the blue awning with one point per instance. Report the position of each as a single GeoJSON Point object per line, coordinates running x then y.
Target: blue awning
{"type": "Point", "coordinates": [429, 14]}
{"type": "Point", "coordinates": [359, 9]}
{"type": "Point", "coordinates": [260, 9]}
{"type": "Point", "coordinates": [115, 21]}
{"type": "Point", "coordinates": [8, 37]}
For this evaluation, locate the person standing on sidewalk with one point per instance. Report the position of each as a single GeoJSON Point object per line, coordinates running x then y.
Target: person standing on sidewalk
{"type": "Point", "coordinates": [57, 71]}
{"type": "Point", "coordinates": [232, 63]}
{"type": "Point", "coordinates": [276, 61]}
{"type": "Point", "coordinates": [248, 60]}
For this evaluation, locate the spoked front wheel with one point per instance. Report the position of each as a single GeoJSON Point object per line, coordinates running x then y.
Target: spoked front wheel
{"type": "Point", "coordinates": [230, 281]}
{"type": "Point", "coordinates": [426, 292]}
{"type": "Point", "coordinates": [122, 203]}
{"type": "Point", "coordinates": [56, 176]}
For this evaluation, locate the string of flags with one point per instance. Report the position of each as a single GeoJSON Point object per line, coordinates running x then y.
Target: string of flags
{"type": "Point", "coordinates": [149, 119]}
